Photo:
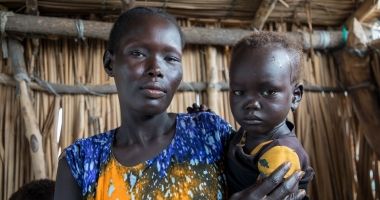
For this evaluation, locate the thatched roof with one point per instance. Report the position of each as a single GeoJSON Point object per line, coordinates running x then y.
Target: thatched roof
{"type": "Point", "coordinates": [242, 12]}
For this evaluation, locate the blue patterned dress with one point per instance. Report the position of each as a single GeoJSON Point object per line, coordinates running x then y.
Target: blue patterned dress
{"type": "Point", "coordinates": [191, 167]}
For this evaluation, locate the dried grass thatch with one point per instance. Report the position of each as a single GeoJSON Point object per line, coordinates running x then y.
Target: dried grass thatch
{"type": "Point", "coordinates": [230, 12]}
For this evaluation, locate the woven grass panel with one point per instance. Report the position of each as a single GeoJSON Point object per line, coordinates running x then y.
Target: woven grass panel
{"type": "Point", "coordinates": [345, 166]}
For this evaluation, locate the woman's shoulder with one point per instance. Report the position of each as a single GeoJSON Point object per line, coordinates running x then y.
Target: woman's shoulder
{"type": "Point", "coordinates": [100, 139]}
{"type": "Point", "coordinates": [201, 119]}
{"type": "Point", "coordinates": [205, 127]}
{"type": "Point", "coordinates": [86, 156]}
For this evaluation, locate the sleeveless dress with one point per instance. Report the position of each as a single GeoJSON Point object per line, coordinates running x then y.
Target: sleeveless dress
{"type": "Point", "coordinates": [191, 167]}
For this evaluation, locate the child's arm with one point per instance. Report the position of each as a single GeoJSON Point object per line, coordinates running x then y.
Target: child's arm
{"type": "Point", "coordinates": [239, 166]}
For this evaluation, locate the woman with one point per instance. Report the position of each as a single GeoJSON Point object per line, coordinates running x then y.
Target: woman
{"type": "Point", "coordinates": [153, 154]}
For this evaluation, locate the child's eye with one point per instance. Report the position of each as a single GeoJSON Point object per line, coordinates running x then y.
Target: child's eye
{"type": "Point", "coordinates": [137, 53]}
{"type": "Point", "coordinates": [268, 92]}
{"type": "Point", "coordinates": [238, 92]}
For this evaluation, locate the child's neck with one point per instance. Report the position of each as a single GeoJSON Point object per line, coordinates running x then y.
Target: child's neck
{"type": "Point", "coordinates": [252, 139]}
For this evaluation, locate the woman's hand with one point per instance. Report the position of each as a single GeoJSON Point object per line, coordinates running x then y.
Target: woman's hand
{"type": "Point", "coordinates": [274, 187]}
{"type": "Point", "coordinates": [271, 187]}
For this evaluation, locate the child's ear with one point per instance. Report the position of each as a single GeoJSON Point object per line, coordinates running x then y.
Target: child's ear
{"type": "Point", "coordinates": [108, 61]}
{"type": "Point", "coordinates": [297, 96]}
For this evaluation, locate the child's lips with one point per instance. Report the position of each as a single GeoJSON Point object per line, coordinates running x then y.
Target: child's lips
{"type": "Point", "coordinates": [252, 120]}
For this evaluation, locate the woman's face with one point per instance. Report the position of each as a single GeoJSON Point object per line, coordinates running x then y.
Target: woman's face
{"type": "Point", "coordinates": [147, 65]}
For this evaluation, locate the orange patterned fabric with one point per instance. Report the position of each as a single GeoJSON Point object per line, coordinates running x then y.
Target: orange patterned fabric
{"type": "Point", "coordinates": [183, 181]}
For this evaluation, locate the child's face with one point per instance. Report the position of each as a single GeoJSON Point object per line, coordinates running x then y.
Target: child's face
{"type": "Point", "coordinates": [261, 92]}
{"type": "Point", "coordinates": [147, 65]}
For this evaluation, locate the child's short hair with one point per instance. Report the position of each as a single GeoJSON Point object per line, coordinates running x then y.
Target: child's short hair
{"type": "Point", "coordinates": [133, 14]}
{"type": "Point", "coordinates": [35, 190]}
{"type": "Point", "coordinates": [267, 39]}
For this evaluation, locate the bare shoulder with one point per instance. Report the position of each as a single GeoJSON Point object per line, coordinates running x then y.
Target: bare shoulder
{"type": "Point", "coordinates": [66, 187]}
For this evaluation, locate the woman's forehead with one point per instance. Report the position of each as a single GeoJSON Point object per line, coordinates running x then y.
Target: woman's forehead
{"type": "Point", "coordinates": [152, 30]}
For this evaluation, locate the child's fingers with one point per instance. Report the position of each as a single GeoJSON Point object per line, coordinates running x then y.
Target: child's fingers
{"type": "Point", "coordinates": [242, 156]}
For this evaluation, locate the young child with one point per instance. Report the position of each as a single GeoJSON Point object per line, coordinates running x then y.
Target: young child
{"type": "Point", "coordinates": [264, 86]}
{"type": "Point", "coordinates": [42, 189]}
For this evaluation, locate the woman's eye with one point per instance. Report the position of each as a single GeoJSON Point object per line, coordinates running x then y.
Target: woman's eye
{"type": "Point", "coordinates": [172, 59]}
{"type": "Point", "coordinates": [137, 53]}
{"type": "Point", "coordinates": [238, 92]}
{"type": "Point", "coordinates": [268, 93]}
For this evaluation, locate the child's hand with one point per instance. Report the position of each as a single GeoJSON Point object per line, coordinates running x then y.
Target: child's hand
{"type": "Point", "coordinates": [195, 108]}
{"type": "Point", "coordinates": [236, 152]}
{"type": "Point", "coordinates": [243, 157]}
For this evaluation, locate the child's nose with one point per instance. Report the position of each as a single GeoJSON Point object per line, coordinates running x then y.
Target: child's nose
{"type": "Point", "coordinates": [253, 104]}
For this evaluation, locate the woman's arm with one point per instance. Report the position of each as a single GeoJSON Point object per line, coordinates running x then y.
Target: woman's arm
{"type": "Point", "coordinates": [66, 187]}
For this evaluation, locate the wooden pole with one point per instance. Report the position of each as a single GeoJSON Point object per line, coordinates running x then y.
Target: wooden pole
{"type": "Point", "coordinates": [262, 14]}
{"type": "Point", "coordinates": [44, 26]}
{"type": "Point", "coordinates": [365, 11]}
{"type": "Point", "coordinates": [32, 131]}
{"type": "Point", "coordinates": [212, 79]}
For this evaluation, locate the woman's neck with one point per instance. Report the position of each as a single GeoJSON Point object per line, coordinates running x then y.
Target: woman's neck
{"type": "Point", "coordinates": [137, 128]}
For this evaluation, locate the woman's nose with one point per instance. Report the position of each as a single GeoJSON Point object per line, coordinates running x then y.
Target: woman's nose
{"type": "Point", "coordinates": [155, 69]}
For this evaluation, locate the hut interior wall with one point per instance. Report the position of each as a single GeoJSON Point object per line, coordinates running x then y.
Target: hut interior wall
{"type": "Point", "coordinates": [345, 166]}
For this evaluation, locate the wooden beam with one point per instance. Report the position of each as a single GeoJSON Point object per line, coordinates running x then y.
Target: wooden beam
{"type": "Point", "coordinates": [265, 9]}
{"type": "Point", "coordinates": [44, 26]}
{"type": "Point", "coordinates": [58, 89]}
{"type": "Point", "coordinates": [31, 7]}
{"type": "Point", "coordinates": [366, 9]}
{"type": "Point", "coordinates": [61, 89]}
{"type": "Point", "coordinates": [374, 44]}
{"type": "Point", "coordinates": [127, 4]}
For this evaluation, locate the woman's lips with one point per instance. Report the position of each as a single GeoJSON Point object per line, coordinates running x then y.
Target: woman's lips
{"type": "Point", "coordinates": [153, 90]}
{"type": "Point", "coordinates": [154, 94]}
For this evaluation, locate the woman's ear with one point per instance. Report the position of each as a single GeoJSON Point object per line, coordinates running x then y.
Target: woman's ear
{"type": "Point", "coordinates": [108, 60]}
{"type": "Point", "coordinates": [297, 96]}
